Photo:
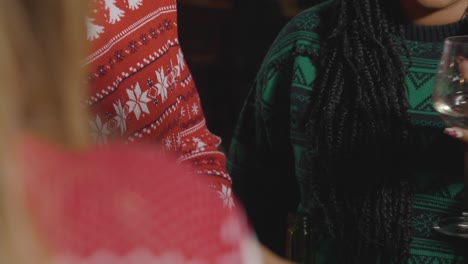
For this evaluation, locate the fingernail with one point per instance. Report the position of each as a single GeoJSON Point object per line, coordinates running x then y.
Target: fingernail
{"type": "Point", "coordinates": [454, 132]}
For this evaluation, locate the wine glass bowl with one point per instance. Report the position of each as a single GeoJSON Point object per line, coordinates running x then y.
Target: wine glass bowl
{"type": "Point", "coordinates": [453, 226]}
{"type": "Point", "coordinates": [450, 100]}
{"type": "Point", "coordinates": [450, 97]}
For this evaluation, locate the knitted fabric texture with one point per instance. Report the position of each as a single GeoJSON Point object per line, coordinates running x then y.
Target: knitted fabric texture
{"type": "Point", "coordinates": [267, 157]}
{"type": "Point", "coordinates": [121, 204]}
{"type": "Point", "coordinates": [142, 88]}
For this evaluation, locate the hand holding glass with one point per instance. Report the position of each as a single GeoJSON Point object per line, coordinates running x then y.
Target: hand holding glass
{"type": "Point", "coordinates": [450, 99]}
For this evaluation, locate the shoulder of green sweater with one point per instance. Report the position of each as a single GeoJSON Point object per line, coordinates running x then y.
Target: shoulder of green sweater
{"type": "Point", "coordinates": [301, 35]}
{"type": "Point", "coordinates": [301, 32]}
{"type": "Point", "coordinates": [310, 18]}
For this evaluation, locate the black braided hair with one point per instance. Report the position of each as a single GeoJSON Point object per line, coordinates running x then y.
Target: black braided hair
{"type": "Point", "coordinates": [360, 127]}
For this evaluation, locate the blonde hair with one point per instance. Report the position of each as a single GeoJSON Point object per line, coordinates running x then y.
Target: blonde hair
{"type": "Point", "coordinates": [41, 91]}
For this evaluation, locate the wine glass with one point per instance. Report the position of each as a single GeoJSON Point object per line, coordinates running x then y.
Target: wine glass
{"type": "Point", "coordinates": [450, 100]}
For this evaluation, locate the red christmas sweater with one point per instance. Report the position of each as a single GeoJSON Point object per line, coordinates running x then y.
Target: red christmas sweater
{"type": "Point", "coordinates": [142, 88]}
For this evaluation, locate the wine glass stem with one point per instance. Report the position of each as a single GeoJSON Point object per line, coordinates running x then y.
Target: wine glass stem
{"type": "Point", "coordinates": [465, 180]}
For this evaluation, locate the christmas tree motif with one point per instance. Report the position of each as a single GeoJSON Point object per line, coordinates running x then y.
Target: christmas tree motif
{"type": "Point", "coordinates": [93, 30]}
{"type": "Point", "coordinates": [200, 144]}
{"type": "Point", "coordinates": [115, 13]}
{"type": "Point", "coordinates": [134, 4]}
{"type": "Point", "coordinates": [162, 84]}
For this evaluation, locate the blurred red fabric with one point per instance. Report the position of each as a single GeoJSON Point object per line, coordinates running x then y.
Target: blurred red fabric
{"type": "Point", "coordinates": [129, 204]}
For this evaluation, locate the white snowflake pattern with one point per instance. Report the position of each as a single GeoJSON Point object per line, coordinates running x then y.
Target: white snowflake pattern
{"type": "Point", "coordinates": [115, 13]}
{"type": "Point", "coordinates": [182, 111]}
{"type": "Point", "coordinates": [195, 109]}
{"type": "Point", "coordinates": [99, 131]}
{"type": "Point", "coordinates": [121, 117]}
{"type": "Point", "coordinates": [162, 84]}
{"type": "Point", "coordinates": [137, 101]}
{"type": "Point", "coordinates": [134, 4]}
{"type": "Point", "coordinates": [226, 195]}
{"type": "Point", "coordinates": [168, 143]}
{"type": "Point", "coordinates": [93, 30]}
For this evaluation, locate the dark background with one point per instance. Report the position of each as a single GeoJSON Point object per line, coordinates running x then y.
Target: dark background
{"type": "Point", "coordinates": [224, 42]}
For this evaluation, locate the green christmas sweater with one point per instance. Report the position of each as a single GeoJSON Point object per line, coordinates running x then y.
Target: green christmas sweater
{"type": "Point", "coordinates": [267, 155]}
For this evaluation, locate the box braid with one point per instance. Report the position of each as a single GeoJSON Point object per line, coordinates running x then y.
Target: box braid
{"type": "Point", "coordinates": [360, 127]}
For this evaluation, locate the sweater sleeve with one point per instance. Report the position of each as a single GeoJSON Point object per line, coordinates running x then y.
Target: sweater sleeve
{"type": "Point", "coordinates": [141, 88]}
{"type": "Point", "coordinates": [199, 148]}
{"type": "Point", "coordinates": [267, 154]}
{"type": "Point", "coordinates": [260, 159]}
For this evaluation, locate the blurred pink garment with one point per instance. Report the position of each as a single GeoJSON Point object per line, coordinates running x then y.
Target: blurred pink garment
{"type": "Point", "coordinates": [124, 204]}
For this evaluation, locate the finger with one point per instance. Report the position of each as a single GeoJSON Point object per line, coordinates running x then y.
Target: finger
{"type": "Point", "coordinates": [463, 68]}
{"type": "Point", "coordinates": [458, 133]}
